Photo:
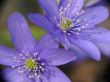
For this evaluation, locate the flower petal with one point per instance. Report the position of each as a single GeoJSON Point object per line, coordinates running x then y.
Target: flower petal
{"type": "Point", "coordinates": [93, 17]}
{"type": "Point", "coordinates": [104, 47]}
{"type": "Point", "coordinates": [96, 34]}
{"type": "Point", "coordinates": [53, 74]}
{"type": "Point", "coordinates": [12, 75]}
{"type": "Point", "coordinates": [88, 47]}
{"type": "Point", "coordinates": [57, 56]}
{"type": "Point", "coordinates": [81, 54]}
{"type": "Point", "coordinates": [73, 6]}
{"type": "Point", "coordinates": [49, 6]}
{"type": "Point", "coordinates": [62, 38]}
{"type": "Point", "coordinates": [20, 33]}
{"type": "Point", "coordinates": [47, 41]}
{"type": "Point", "coordinates": [41, 21]}
{"type": "Point", "coordinates": [7, 56]}
{"type": "Point", "coordinates": [100, 36]}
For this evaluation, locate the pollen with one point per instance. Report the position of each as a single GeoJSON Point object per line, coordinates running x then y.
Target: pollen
{"type": "Point", "coordinates": [31, 64]}
{"type": "Point", "coordinates": [66, 24]}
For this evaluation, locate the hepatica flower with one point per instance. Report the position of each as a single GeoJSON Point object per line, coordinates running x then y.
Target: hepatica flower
{"type": "Point", "coordinates": [32, 61]}
{"type": "Point", "coordinates": [74, 26]}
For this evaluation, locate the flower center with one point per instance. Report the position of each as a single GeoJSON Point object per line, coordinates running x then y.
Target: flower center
{"type": "Point", "coordinates": [66, 24]}
{"type": "Point", "coordinates": [31, 64]}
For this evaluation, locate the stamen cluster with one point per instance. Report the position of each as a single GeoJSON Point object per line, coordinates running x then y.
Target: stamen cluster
{"type": "Point", "coordinates": [71, 24]}
{"type": "Point", "coordinates": [31, 63]}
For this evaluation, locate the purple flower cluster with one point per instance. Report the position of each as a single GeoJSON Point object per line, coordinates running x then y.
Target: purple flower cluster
{"type": "Point", "coordinates": [69, 24]}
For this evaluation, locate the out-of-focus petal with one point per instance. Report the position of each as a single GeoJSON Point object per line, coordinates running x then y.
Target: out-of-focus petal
{"type": "Point", "coordinates": [53, 74]}
{"type": "Point", "coordinates": [88, 47]}
{"type": "Point", "coordinates": [99, 36]}
{"type": "Point", "coordinates": [81, 54]}
{"type": "Point", "coordinates": [104, 47]}
{"type": "Point", "coordinates": [7, 56]}
{"type": "Point", "coordinates": [20, 33]}
{"type": "Point", "coordinates": [71, 6]}
{"type": "Point", "coordinates": [57, 56]}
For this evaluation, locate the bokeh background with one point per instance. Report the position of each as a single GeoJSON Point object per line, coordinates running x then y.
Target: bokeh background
{"type": "Point", "coordinates": [82, 71]}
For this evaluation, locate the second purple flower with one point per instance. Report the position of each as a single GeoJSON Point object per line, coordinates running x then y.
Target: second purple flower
{"type": "Point", "coordinates": [75, 27]}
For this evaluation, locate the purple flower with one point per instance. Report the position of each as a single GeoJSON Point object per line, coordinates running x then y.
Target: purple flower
{"type": "Point", "coordinates": [74, 27]}
{"type": "Point", "coordinates": [32, 61]}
